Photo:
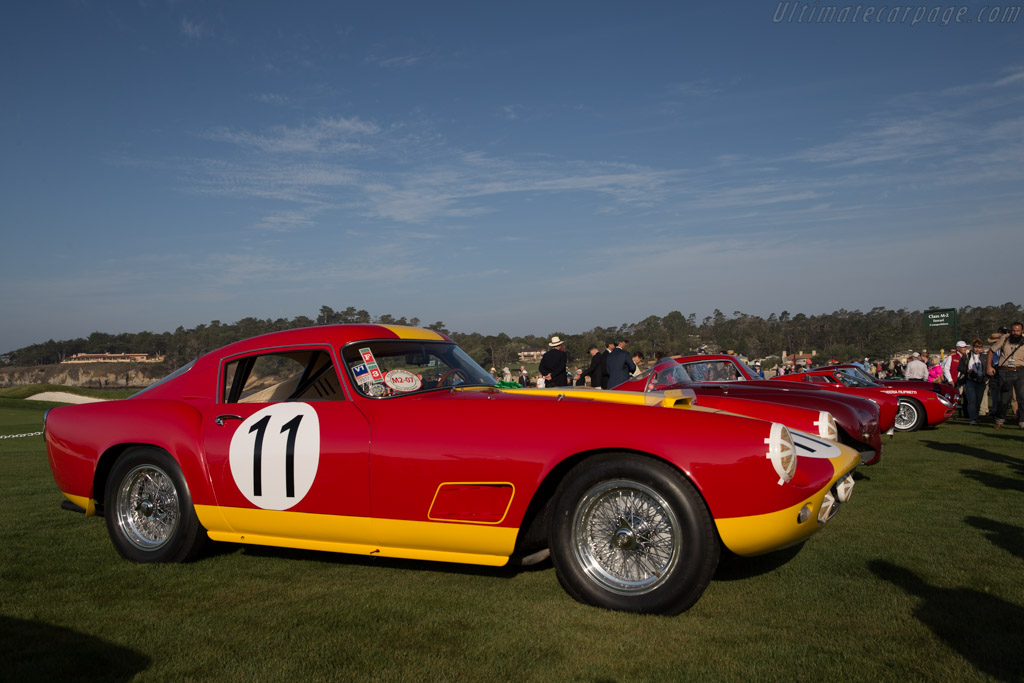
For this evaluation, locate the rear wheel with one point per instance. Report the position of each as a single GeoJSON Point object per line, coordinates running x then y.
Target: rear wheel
{"type": "Point", "coordinates": [630, 533]}
{"type": "Point", "coordinates": [910, 416]}
{"type": "Point", "coordinates": [148, 509]}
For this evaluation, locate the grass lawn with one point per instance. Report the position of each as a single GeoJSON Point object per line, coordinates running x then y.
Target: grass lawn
{"type": "Point", "coordinates": [920, 576]}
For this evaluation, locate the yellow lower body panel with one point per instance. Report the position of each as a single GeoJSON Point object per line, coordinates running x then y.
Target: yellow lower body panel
{"type": "Point", "coordinates": [436, 541]}
{"type": "Point", "coordinates": [763, 533]}
{"type": "Point", "coordinates": [84, 502]}
{"type": "Point", "coordinates": [758, 534]}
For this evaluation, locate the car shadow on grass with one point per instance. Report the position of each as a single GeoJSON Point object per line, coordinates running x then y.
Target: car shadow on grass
{"type": "Point", "coordinates": [34, 651]}
{"type": "Point", "coordinates": [987, 631]}
{"type": "Point", "coordinates": [982, 454]}
{"type": "Point", "coordinates": [1006, 536]}
{"type": "Point", "coordinates": [732, 567]}
{"type": "Point", "coordinates": [995, 481]}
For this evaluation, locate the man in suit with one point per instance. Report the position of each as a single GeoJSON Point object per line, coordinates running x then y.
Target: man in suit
{"type": "Point", "coordinates": [552, 364]}
{"type": "Point", "coordinates": [596, 370]}
{"type": "Point", "coordinates": [619, 365]}
{"type": "Point", "coordinates": [608, 348]}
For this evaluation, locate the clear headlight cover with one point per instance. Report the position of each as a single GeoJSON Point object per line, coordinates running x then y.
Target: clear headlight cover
{"type": "Point", "coordinates": [781, 452]}
{"type": "Point", "coordinates": [826, 425]}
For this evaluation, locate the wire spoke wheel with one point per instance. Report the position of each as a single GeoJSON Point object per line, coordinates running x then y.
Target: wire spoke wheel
{"type": "Point", "coordinates": [147, 509]}
{"type": "Point", "coordinates": [908, 417]}
{"type": "Point", "coordinates": [631, 533]}
{"type": "Point", "coordinates": [149, 512]}
{"type": "Point", "coordinates": [626, 536]}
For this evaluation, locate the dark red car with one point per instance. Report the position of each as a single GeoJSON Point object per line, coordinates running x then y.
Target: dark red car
{"type": "Point", "coordinates": [917, 407]}
{"type": "Point", "coordinates": [726, 383]}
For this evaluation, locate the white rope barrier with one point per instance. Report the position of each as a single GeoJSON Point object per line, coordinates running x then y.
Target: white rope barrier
{"type": "Point", "coordinates": [18, 436]}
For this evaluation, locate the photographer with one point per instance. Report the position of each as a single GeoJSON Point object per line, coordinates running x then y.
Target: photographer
{"type": "Point", "coordinates": [1006, 363]}
{"type": "Point", "coordinates": [971, 379]}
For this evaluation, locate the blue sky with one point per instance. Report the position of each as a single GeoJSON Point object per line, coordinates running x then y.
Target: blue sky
{"type": "Point", "coordinates": [519, 167]}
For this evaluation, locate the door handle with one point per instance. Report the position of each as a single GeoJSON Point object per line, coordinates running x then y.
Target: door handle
{"type": "Point", "coordinates": [221, 418]}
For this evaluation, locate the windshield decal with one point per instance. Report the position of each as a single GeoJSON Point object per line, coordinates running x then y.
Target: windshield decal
{"type": "Point", "coordinates": [402, 380]}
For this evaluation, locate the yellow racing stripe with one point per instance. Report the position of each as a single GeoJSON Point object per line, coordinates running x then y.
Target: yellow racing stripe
{"type": "Point", "coordinates": [405, 332]}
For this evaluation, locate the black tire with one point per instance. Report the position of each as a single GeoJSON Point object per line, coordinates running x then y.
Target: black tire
{"type": "Point", "coordinates": [148, 509]}
{"type": "Point", "coordinates": [630, 533]}
{"type": "Point", "coordinates": [910, 416]}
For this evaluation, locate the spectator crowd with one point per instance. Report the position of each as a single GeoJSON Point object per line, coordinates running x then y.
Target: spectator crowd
{"type": "Point", "coordinates": [989, 374]}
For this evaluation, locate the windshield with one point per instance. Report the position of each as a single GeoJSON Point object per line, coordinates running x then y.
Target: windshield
{"type": "Point", "coordinates": [667, 376]}
{"type": "Point", "coordinates": [712, 371]}
{"type": "Point", "coordinates": [861, 375]}
{"type": "Point", "coordinates": [853, 378]}
{"type": "Point", "coordinates": [747, 369]}
{"type": "Point", "coordinates": [388, 368]}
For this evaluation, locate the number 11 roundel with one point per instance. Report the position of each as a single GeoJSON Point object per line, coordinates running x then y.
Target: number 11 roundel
{"type": "Point", "coordinates": [274, 455]}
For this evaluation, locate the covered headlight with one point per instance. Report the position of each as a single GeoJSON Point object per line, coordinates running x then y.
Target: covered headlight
{"type": "Point", "coordinates": [781, 452]}
{"type": "Point", "coordinates": [945, 401]}
{"type": "Point", "coordinates": [826, 425]}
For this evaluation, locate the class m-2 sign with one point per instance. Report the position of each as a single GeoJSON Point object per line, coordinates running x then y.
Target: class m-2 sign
{"type": "Point", "coordinates": [940, 317]}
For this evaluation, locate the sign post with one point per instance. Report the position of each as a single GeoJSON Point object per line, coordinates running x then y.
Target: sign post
{"type": "Point", "coordinates": [942, 317]}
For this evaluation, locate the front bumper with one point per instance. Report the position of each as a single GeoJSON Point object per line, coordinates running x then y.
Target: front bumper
{"type": "Point", "coordinates": [757, 534]}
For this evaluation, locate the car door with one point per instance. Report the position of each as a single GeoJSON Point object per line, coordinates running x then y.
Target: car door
{"type": "Point", "coordinates": [288, 452]}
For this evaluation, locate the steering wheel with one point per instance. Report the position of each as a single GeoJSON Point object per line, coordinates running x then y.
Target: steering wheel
{"type": "Point", "coordinates": [453, 372]}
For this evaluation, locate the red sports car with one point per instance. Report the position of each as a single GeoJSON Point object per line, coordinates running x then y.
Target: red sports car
{"type": "Point", "coordinates": [947, 390]}
{"type": "Point", "coordinates": [857, 420]}
{"type": "Point", "coordinates": [917, 407]}
{"type": "Point", "coordinates": [380, 441]}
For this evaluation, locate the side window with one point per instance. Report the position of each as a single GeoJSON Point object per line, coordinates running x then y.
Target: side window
{"type": "Point", "coordinates": [306, 375]}
{"type": "Point", "coordinates": [698, 371]}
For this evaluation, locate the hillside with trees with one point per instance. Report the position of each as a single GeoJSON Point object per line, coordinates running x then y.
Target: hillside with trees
{"type": "Point", "coordinates": [843, 334]}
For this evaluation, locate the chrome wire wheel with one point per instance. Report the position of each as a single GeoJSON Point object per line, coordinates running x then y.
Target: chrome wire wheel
{"type": "Point", "coordinates": [625, 536]}
{"type": "Point", "coordinates": [146, 508]}
{"type": "Point", "coordinates": [907, 417]}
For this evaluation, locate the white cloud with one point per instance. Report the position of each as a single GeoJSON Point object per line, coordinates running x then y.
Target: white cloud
{"type": "Point", "coordinates": [323, 136]}
{"type": "Point", "coordinates": [193, 29]}
{"type": "Point", "coordinates": [401, 61]}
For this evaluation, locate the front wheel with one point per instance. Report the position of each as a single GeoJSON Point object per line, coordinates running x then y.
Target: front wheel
{"type": "Point", "coordinates": [148, 509]}
{"type": "Point", "coordinates": [910, 415]}
{"type": "Point", "coordinates": [630, 533]}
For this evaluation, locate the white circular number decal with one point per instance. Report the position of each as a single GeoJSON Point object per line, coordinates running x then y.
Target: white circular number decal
{"type": "Point", "coordinates": [402, 380]}
{"type": "Point", "coordinates": [275, 453]}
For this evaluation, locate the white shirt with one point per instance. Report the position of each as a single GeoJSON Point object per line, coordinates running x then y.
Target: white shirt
{"type": "Point", "coordinates": [916, 369]}
{"type": "Point", "coordinates": [947, 362]}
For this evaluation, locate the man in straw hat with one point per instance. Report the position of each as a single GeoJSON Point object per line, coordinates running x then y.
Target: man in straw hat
{"type": "Point", "coordinates": [1005, 362]}
{"type": "Point", "coordinates": [552, 364]}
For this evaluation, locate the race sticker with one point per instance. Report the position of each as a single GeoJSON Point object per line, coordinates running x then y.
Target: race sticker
{"type": "Point", "coordinates": [371, 365]}
{"type": "Point", "coordinates": [376, 390]}
{"type": "Point", "coordinates": [362, 374]}
{"type": "Point", "coordinates": [814, 447]}
{"type": "Point", "coordinates": [402, 380]}
{"type": "Point", "coordinates": [274, 455]}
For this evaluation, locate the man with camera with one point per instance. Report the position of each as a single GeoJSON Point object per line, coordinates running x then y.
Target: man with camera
{"type": "Point", "coordinates": [1005, 362]}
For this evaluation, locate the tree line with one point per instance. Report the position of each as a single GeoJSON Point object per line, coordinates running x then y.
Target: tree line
{"type": "Point", "coordinates": [842, 334]}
